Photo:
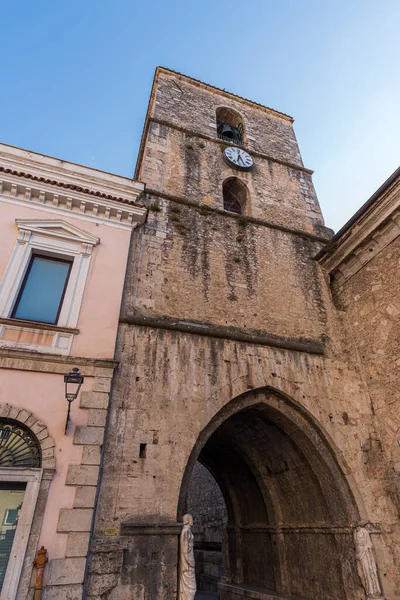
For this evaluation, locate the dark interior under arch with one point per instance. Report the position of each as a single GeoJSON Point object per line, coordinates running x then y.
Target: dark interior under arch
{"type": "Point", "coordinates": [234, 194]}
{"type": "Point", "coordinates": [229, 125]}
{"type": "Point", "coordinates": [289, 520]}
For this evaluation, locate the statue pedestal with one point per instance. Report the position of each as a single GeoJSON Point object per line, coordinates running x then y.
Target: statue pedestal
{"type": "Point", "coordinates": [150, 560]}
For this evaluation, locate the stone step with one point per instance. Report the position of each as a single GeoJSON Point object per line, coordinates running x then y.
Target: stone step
{"type": "Point", "coordinates": [229, 591]}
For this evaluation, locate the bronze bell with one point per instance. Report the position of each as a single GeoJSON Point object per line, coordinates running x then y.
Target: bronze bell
{"type": "Point", "coordinates": [227, 131]}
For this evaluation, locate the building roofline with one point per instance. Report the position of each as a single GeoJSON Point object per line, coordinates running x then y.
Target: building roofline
{"type": "Point", "coordinates": [223, 92]}
{"type": "Point", "coordinates": [63, 160]}
{"type": "Point", "coordinates": [199, 83]}
{"type": "Point", "coordinates": [334, 241]}
{"type": "Point", "coordinates": [21, 163]}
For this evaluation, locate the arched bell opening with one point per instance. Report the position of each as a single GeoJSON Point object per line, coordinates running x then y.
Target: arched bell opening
{"type": "Point", "coordinates": [290, 513]}
{"type": "Point", "coordinates": [230, 127]}
{"type": "Point", "coordinates": [235, 195]}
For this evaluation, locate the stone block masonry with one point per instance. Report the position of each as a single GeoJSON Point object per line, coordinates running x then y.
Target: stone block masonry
{"type": "Point", "coordinates": [232, 353]}
{"type": "Point", "coordinates": [363, 264]}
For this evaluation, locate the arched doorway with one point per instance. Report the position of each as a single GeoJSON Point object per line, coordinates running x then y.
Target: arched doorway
{"type": "Point", "coordinates": [291, 513]}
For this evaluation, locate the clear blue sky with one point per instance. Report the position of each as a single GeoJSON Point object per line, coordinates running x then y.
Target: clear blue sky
{"type": "Point", "coordinates": [76, 76]}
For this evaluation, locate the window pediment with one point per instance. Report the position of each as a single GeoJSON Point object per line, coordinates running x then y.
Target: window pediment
{"type": "Point", "coordinates": [41, 245]}
{"type": "Point", "coordinates": [55, 228]}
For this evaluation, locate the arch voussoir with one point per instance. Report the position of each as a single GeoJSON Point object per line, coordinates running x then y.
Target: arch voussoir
{"type": "Point", "coordinates": [37, 427]}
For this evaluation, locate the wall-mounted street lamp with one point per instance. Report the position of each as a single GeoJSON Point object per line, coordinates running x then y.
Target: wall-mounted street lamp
{"type": "Point", "coordinates": [73, 382]}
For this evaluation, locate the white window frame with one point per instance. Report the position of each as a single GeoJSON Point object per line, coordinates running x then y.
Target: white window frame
{"type": "Point", "coordinates": [6, 522]}
{"type": "Point", "coordinates": [57, 238]}
{"type": "Point", "coordinates": [32, 478]}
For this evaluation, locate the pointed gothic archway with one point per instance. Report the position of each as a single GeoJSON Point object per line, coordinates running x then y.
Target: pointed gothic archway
{"type": "Point", "coordinates": [291, 512]}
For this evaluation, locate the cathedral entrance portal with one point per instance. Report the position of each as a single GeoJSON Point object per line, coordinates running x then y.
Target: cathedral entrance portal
{"type": "Point", "coordinates": [290, 515]}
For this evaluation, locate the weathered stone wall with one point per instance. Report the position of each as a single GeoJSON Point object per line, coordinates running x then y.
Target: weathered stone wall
{"type": "Point", "coordinates": [196, 169]}
{"type": "Point", "coordinates": [370, 301]}
{"type": "Point", "coordinates": [195, 378]}
{"type": "Point", "coordinates": [178, 162]}
{"type": "Point", "coordinates": [206, 505]}
{"type": "Point", "coordinates": [209, 267]}
{"type": "Point", "coordinates": [228, 279]}
{"type": "Point", "coordinates": [187, 103]}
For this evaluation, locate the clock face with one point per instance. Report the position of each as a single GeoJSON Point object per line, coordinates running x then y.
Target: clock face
{"type": "Point", "coordinates": [238, 158]}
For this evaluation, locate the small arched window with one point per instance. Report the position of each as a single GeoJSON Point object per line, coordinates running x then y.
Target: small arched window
{"type": "Point", "coordinates": [234, 193]}
{"type": "Point", "coordinates": [18, 445]}
{"type": "Point", "coordinates": [229, 125]}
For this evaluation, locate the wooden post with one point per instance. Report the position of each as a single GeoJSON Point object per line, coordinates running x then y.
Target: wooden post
{"type": "Point", "coordinates": [39, 562]}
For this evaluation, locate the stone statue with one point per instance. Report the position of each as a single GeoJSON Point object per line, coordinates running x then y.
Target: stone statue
{"type": "Point", "coordinates": [366, 563]}
{"type": "Point", "coordinates": [187, 577]}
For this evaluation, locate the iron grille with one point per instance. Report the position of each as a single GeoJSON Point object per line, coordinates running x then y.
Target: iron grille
{"type": "Point", "coordinates": [232, 205]}
{"type": "Point", "coordinates": [234, 142]}
{"type": "Point", "coordinates": [18, 446]}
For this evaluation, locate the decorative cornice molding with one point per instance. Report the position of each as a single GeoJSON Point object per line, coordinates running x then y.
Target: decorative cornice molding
{"type": "Point", "coordinates": [46, 196]}
{"type": "Point", "coordinates": [63, 187]}
{"type": "Point", "coordinates": [48, 169]}
{"type": "Point", "coordinates": [25, 360]}
{"type": "Point", "coordinates": [72, 186]}
{"type": "Point", "coordinates": [365, 238]}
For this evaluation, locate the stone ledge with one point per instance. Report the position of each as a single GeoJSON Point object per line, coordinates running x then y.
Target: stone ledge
{"type": "Point", "coordinates": [230, 591]}
{"type": "Point", "coordinates": [256, 221]}
{"type": "Point", "coordinates": [135, 529]}
{"type": "Point", "coordinates": [55, 363]}
{"type": "Point", "coordinates": [37, 325]}
{"type": "Point", "coordinates": [236, 334]}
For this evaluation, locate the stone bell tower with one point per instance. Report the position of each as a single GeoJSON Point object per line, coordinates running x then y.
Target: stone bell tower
{"type": "Point", "coordinates": [193, 135]}
{"type": "Point", "coordinates": [232, 355]}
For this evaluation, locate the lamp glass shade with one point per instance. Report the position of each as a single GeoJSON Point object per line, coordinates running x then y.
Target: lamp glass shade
{"type": "Point", "coordinates": [73, 382]}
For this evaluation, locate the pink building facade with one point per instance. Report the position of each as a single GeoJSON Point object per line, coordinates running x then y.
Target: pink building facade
{"type": "Point", "coordinates": [65, 234]}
